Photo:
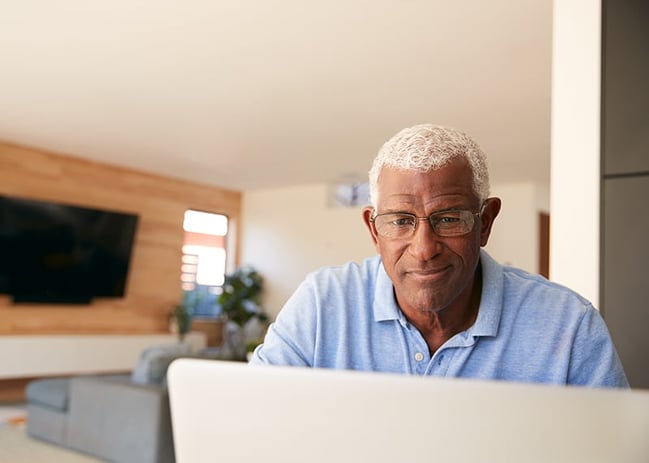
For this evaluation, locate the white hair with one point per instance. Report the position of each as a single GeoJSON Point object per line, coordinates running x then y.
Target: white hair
{"type": "Point", "coordinates": [426, 147]}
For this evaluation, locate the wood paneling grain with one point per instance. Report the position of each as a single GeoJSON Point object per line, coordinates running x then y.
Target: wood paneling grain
{"type": "Point", "coordinates": [153, 287]}
{"type": "Point", "coordinates": [13, 390]}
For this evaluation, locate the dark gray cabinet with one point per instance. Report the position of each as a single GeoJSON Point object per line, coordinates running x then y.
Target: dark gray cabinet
{"type": "Point", "coordinates": [624, 285]}
{"type": "Point", "coordinates": [625, 91]}
{"type": "Point", "coordinates": [625, 272]}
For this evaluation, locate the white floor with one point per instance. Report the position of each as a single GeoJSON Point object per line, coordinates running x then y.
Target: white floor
{"type": "Point", "coordinates": [12, 413]}
{"type": "Point", "coordinates": [17, 447]}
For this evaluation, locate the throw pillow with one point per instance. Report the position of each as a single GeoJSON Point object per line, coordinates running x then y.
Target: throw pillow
{"type": "Point", "coordinates": [152, 365]}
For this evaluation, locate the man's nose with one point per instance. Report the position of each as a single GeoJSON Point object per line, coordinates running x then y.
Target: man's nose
{"type": "Point", "coordinates": [425, 242]}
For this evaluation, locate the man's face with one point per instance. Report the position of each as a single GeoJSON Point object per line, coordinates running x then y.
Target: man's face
{"type": "Point", "coordinates": [429, 272]}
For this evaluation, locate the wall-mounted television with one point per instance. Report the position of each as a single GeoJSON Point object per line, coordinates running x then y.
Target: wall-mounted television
{"type": "Point", "coordinates": [54, 253]}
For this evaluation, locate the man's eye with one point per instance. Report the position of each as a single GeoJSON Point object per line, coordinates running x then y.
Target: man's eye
{"type": "Point", "coordinates": [448, 219]}
{"type": "Point", "coordinates": [401, 221]}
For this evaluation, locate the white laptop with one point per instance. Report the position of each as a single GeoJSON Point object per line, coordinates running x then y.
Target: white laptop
{"type": "Point", "coordinates": [234, 412]}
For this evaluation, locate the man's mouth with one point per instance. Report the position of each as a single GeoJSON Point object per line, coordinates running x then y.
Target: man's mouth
{"type": "Point", "coordinates": [429, 274]}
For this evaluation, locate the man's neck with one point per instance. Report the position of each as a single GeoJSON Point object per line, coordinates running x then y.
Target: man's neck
{"type": "Point", "coordinates": [439, 326]}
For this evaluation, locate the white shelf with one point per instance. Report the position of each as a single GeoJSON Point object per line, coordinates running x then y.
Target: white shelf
{"type": "Point", "coordinates": [47, 355]}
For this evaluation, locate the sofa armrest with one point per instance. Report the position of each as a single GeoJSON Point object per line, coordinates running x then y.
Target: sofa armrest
{"type": "Point", "coordinates": [118, 420]}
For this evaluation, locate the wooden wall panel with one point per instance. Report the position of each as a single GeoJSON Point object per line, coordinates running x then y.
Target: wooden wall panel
{"type": "Point", "coordinates": [153, 287]}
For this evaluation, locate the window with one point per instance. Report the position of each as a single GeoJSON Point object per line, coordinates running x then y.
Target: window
{"type": "Point", "coordinates": [204, 258]}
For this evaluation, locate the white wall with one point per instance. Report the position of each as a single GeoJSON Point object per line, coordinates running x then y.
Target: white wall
{"type": "Point", "coordinates": [515, 236]}
{"type": "Point", "coordinates": [288, 232]}
{"type": "Point", "coordinates": [575, 157]}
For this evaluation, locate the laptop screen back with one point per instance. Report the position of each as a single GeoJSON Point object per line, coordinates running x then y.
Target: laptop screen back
{"type": "Point", "coordinates": [234, 412]}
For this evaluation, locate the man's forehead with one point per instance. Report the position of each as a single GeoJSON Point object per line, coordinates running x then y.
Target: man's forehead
{"type": "Point", "coordinates": [449, 186]}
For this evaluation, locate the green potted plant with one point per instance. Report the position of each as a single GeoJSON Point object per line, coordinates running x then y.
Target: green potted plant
{"type": "Point", "coordinates": [181, 315]}
{"type": "Point", "coordinates": [180, 320]}
{"type": "Point", "coordinates": [240, 303]}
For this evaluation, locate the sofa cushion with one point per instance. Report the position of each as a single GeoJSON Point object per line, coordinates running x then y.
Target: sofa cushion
{"type": "Point", "coordinates": [152, 365]}
{"type": "Point", "coordinates": [158, 368]}
{"type": "Point", "coordinates": [119, 421]}
{"type": "Point", "coordinates": [53, 392]}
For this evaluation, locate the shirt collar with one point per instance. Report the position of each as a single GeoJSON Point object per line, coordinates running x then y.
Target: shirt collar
{"type": "Point", "coordinates": [491, 299]}
{"type": "Point", "coordinates": [385, 304]}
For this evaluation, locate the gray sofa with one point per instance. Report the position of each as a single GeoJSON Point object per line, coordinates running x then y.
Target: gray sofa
{"type": "Point", "coordinates": [118, 418]}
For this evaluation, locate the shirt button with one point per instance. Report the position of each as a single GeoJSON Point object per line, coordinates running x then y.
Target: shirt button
{"type": "Point", "coordinates": [419, 356]}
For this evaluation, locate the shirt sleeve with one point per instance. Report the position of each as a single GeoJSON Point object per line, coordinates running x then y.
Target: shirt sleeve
{"type": "Point", "coordinates": [594, 360]}
{"type": "Point", "coordinates": [290, 340]}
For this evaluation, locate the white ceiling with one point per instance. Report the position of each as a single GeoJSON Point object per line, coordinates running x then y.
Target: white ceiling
{"type": "Point", "coordinates": [263, 93]}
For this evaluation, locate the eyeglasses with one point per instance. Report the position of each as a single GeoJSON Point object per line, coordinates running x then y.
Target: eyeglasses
{"type": "Point", "coordinates": [402, 225]}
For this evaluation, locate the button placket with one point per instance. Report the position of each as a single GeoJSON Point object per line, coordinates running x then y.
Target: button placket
{"type": "Point", "coordinates": [416, 349]}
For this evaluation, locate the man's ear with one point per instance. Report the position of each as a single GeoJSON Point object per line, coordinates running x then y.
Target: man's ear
{"type": "Point", "coordinates": [367, 215]}
{"type": "Point", "coordinates": [489, 214]}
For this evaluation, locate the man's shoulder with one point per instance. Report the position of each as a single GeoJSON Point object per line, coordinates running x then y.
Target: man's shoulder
{"type": "Point", "coordinates": [537, 296]}
{"type": "Point", "coordinates": [352, 269]}
{"type": "Point", "coordinates": [515, 286]}
{"type": "Point", "coordinates": [533, 281]}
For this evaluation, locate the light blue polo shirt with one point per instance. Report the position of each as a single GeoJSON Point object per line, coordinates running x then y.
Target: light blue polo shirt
{"type": "Point", "coordinates": [528, 329]}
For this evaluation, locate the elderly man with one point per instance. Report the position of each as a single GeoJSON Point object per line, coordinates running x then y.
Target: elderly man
{"type": "Point", "coordinates": [433, 302]}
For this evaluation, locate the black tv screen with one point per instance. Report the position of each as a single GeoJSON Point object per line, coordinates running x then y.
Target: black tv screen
{"type": "Point", "coordinates": [58, 253]}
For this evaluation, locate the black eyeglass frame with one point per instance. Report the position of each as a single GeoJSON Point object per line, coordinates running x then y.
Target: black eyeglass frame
{"type": "Point", "coordinates": [429, 219]}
